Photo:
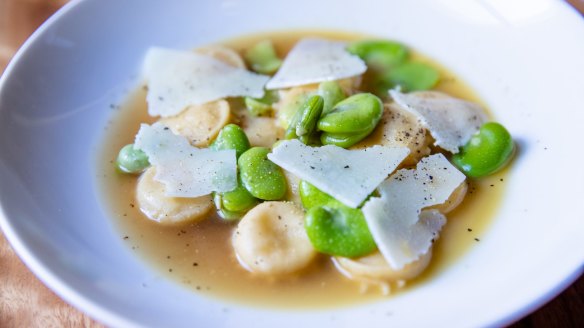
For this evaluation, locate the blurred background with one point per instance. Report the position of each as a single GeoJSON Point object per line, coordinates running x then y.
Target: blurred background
{"type": "Point", "coordinates": [26, 302]}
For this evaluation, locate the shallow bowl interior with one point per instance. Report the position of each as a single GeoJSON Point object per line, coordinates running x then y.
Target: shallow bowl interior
{"type": "Point", "coordinates": [524, 59]}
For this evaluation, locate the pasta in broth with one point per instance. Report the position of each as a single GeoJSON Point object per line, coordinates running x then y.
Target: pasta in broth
{"type": "Point", "coordinates": [214, 243]}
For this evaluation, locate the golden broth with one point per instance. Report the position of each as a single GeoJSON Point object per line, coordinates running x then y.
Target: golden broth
{"type": "Point", "coordinates": [200, 255]}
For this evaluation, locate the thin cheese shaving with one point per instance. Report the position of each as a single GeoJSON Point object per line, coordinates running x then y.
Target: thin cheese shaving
{"type": "Point", "coordinates": [347, 175]}
{"type": "Point", "coordinates": [316, 60]}
{"type": "Point", "coordinates": [402, 231]}
{"type": "Point", "coordinates": [177, 79]}
{"type": "Point", "coordinates": [451, 121]}
{"type": "Point", "coordinates": [186, 171]}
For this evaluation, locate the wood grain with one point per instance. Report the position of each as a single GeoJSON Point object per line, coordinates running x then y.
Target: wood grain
{"type": "Point", "coordinates": [26, 302]}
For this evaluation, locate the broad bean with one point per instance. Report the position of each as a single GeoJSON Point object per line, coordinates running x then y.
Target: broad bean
{"type": "Point", "coordinates": [312, 196]}
{"type": "Point", "coordinates": [351, 120]}
{"type": "Point", "coordinates": [290, 132]}
{"type": "Point", "coordinates": [486, 152]}
{"type": "Point", "coordinates": [309, 116]}
{"type": "Point", "coordinates": [344, 140]}
{"type": "Point", "coordinates": [260, 176]}
{"type": "Point", "coordinates": [289, 103]}
{"type": "Point", "coordinates": [389, 67]}
{"type": "Point", "coordinates": [311, 140]}
{"type": "Point", "coordinates": [305, 119]}
{"type": "Point", "coordinates": [332, 227]}
{"type": "Point", "coordinates": [234, 204]}
{"type": "Point", "coordinates": [131, 160]}
{"type": "Point", "coordinates": [379, 52]}
{"type": "Point", "coordinates": [238, 200]}
{"type": "Point", "coordinates": [262, 57]}
{"type": "Point", "coordinates": [355, 114]}
{"type": "Point", "coordinates": [261, 106]}
{"type": "Point", "coordinates": [222, 212]}
{"type": "Point", "coordinates": [231, 137]}
{"type": "Point", "coordinates": [332, 93]}
{"type": "Point", "coordinates": [412, 76]}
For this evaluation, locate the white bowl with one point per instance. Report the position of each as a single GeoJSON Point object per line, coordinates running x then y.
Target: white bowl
{"type": "Point", "coordinates": [524, 58]}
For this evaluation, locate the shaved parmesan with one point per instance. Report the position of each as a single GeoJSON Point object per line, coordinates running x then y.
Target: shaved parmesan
{"type": "Point", "coordinates": [347, 175]}
{"type": "Point", "coordinates": [451, 121]}
{"type": "Point", "coordinates": [186, 171]}
{"type": "Point", "coordinates": [402, 231]}
{"type": "Point", "coordinates": [177, 79]}
{"type": "Point", "coordinates": [316, 60]}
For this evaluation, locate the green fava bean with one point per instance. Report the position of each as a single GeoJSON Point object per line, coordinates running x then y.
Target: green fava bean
{"type": "Point", "coordinates": [230, 216]}
{"type": "Point", "coordinates": [311, 140]}
{"type": "Point", "coordinates": [287, 113]}
{"type": "Point", "coordinates": [261, 106]}
{"type": "Point", "coordinates": [231, 137]}
{"type": "Point", "coordinates": [290, 132]}
{"type": "Point", "coordinates": [223, 213]}
{"type": "Point", "coordinates": [413, 76]}
{"type": "Point", "coordinates": [332, 227]}
{"type": "Point", "coordinates": [343, 140]}
{"type": "Point", "coordinates": [332, 93]}
{"type": "Point", "coordinates": [339, 230]}
{"type": "Point", "coordinates": [234, 204]}
{"type": "Point", "coordinates": [256, 107]}
{"type": "Point", "coordinates": [260, 176]}
{"type": "Point", "coordinates": [309, 116]}
{"type": "Point", "coordinates": [312, 196]}
{"type": "Point", "coordinates": [262, 57]}
{"type": "Point", "coordinates": [305, 119]}
{"type": "Point", "coordinates": [358, 113]}
{"type": "Point", "coordinates": [486, 152]}
{"type": "Point", "coordinates": [132, 160]}
{"type": "Point", "coordinates": [379, 52]}
{"type": "Point", "coordinates": [238, 200]}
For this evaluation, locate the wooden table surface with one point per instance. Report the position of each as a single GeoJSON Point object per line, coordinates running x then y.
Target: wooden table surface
{"type": "Point", "coordinates": [26, 302]}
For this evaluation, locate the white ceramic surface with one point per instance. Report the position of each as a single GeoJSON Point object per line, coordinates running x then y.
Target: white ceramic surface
{"type": "Point", "coordinates": [525, 59]}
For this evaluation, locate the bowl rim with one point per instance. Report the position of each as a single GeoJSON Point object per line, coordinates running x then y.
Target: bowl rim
{"type": "Point", "coordinates": [47, 276]}
{"type": "Point", "coordinates": [101, 313]}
